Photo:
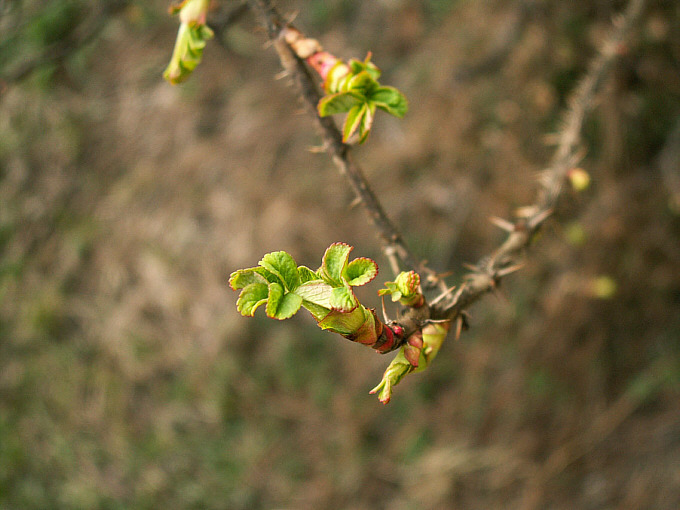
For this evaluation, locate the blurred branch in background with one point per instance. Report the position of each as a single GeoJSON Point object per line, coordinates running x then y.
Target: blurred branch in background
{"type": "Point", "coordinates": [54, 33]}
{"type": "Point", "coordinates": [488, 272]}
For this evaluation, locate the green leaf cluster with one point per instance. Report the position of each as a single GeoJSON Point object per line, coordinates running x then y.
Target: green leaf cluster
{"type": "Point", "coordinates": [284, 287]}
{"type": "Point", "coordinates": [354, 89]}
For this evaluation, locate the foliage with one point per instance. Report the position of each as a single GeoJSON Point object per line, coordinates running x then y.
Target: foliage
{"type": "Point", "coordinates": [353, 88]}
{"type": "Point", "coordinates": [191, 39]}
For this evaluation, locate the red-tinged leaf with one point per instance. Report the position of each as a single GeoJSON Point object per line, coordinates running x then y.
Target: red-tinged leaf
{"type": "Point", "coordinates": [366, 123]}
{"type": "Point", "coordinates": [352, 122]}
{"type": "Point", "coordinates": [282, 265]}
{"type": "Point", "coordinates": [243, 277]}
{"type": "Point", "coordinates": [251, 297]}
{"type": "Point", "coordinates": [334, 262]}
{"type": "Point", "coordinates": [343, 299]}
{"type": "Point", "coordinates": [360, 271]}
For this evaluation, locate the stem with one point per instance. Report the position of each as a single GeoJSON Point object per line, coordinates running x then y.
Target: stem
{"type": "Point", "coordinates": [340, 153]}
{"type": "Point", "coordinates": [491, 269]}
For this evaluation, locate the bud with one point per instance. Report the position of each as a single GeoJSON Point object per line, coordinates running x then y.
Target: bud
{"type": "Point", "coordinates": [413, 348]}
{"type": "Point", "coordinates": [322, 62]}
{"type": "Point", "coordinates": [194, 12]}
{"type": "Point", "coordinates": [579, 179]}
{"type": "Point", "coordinates": [603, 287]}
{"type": "Point", "coordinates": [427, 343]}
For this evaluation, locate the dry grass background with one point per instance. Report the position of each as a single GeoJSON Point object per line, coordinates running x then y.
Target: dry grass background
{"type": "Point", "coordinates": [127, 378]}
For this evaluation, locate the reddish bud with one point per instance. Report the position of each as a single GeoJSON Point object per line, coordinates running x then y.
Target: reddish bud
{"type": "Point", "coordinates": [322, 62]}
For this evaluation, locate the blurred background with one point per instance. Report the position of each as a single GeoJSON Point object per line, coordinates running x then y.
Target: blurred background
{"type": "Point", "coordinates": [128, 379]}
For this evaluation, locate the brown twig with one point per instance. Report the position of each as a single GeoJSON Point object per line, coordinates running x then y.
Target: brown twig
{"type": "Point", "coordinates": [394, 245]}
{"type": "Point", "coordinates": [487, 273]}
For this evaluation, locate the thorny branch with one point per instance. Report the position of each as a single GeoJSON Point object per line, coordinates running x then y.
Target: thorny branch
{"type": "Point", "coordinates": [394, 245]}
{"type": "Point", "coordinates": [488, 272]}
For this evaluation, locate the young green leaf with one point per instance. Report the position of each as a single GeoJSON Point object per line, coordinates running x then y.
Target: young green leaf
{"type": "Point", "coordinates": [282, 265]}
{"type": "Point", "coordinates": [345, 323]}
{"type": "Point", "coordinates": [362, 83]}
{"type": "Point", "coordinates": [307, 275]}
{"type": "Point", "coordinates": [334, 262]}
{"type": "Point", "coordinates": [239, 279]}
{"type": "Point", "coordinates": [357, 66]}
{"type": "Point", "coordinates": [366, 122]}
{"type": "Point", "coordinates": [319, 312]}
{"type": "Point", "coordinates": [252, 296]}
{"type": "Point", "coordinates": [337, 103]}
{"type": "Point", "coordinates": [392, 290]}
{"type": "Point", "coordinates": [360, 271]}
{"type": "Point", "coordinates": [283, 306]}
{"type": "Point", "coordinates": [280, 304]}
{"type": "Point", "coordinates": [390, 100]}
{"type": "Point", "coordinates": [343, 299]}
{"type": "Point", "coordinates": [191, 40]}
{"type": "Point", "coordinates": [317, 292]}
{"type": "Point", "coordinates": [335, 77]}
{"type": "Point", "coordinates": [353, 121]}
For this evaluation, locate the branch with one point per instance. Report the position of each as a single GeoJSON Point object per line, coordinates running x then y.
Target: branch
{"type": "Point", "coordinates": [394, 245]}
{"type": "Point", "coordinates": [488, 272]}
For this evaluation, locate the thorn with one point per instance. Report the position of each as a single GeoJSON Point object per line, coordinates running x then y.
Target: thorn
{"type": "Point", "coordinates": [459, 327]}
{"type": "Point", "coordinates": [436, 321]}
{"type": "Point", "coordinates": [291, 17]}
{"type": "Point", "coordinates": [526, 211]}
{"type": "Point", "coordinates": [317, 149]}
{"type": "Point", "coordinates": [503, 224]}
{"type": "Point", "coordinates": [457, 295]}
{"type": "Point", "coordinates": [355, 202]}
{"type": "Point", "coordinates": [509, 270]}
{"type": "Point", "coordinates": [471, 267]}
{"type": "Point", "coordinates": [442, 295]}
{"type": "Point", "coordinates": [540, 218]}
